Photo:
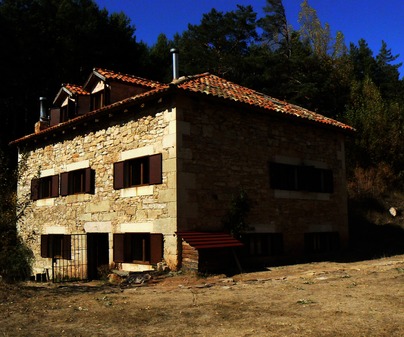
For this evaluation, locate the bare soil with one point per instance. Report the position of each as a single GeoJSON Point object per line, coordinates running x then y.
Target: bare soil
{"type": "Point", "coordinates": [317, 299]}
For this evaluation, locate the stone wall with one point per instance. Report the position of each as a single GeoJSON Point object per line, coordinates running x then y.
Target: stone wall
{"type": "Point", "coordinates": [224, 149]}
{"type": "Point", "coordinates": [210, 150]}
{"type": "Point", "coordinates": [142, 209]}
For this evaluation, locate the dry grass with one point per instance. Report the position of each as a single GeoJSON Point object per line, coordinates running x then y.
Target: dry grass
{"type": "Point", "coordinates": [318, 299]}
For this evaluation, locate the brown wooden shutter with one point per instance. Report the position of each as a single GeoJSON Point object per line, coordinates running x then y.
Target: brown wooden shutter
{"type": "Point", "coordinates": [64, 183]}
{"type": "Point", "coordinates": [44, 246]}
{"type": "Point", "coordinates": [156, 248]}
{"type": "Point", "coordinates": [67, 247]}
{"type": "Point", "coordinates": [71, 108]}
{"type": "Point", "coordinates": [119, 175]}
{"type": "Point", "coordinates": [54, 116]}
{"type": "Point", "coordinates": [119, 244]}
{"type": "Point", "coordinates": [35, 189]}
{"type": "Point", "coordinates": [328, 181]}
{"type": "Point", "coordinates": [89, 181]}
{"type": "Point", "coordinates": [155, 167]}
{"type": "Point", "coordinates": [55, 186]}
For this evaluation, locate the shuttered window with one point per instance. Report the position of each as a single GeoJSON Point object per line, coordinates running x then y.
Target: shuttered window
{"type": "Point", "coordinates": [321, 242]}
{"type": "Point", "coordinates": [56, 246]}
{"type": "Point", "coordinates": [138, 171]}
{"type": "Point", "coordinates": [46, 187]}
{"type": "Point", "coordinates": [301, 178]}
{"type": "Point", "coordinates": [144, 248]}
{"type": "Point", "coordinates": [78, 181]}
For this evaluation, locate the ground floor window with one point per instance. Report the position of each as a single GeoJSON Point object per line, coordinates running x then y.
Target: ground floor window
{"type": "Point", "coordinates": [56, 246]}
{"type": "Point", "coordinates": [138, 248]}
{"type": "Point", "coordinates": [263, 244]}
{"type": "Point", "coordinates": [321, 242]}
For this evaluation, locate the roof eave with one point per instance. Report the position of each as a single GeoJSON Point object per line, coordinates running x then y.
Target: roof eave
{"type": "Point", "coordinates": [124, 104]}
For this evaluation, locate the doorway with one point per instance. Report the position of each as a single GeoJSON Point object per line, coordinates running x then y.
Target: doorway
{"type": "Point", "coordinates": [97, 254]}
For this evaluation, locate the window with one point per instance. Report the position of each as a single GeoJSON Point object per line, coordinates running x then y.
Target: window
{"type": "Point", "coordinates": [99, 99]}
{"type": "Point", "coordinates": [64, 113]}
{"type": "Point", "coordinates": [138, 248]}
{"type": "Point", "coordinates": [321, 242]}
{"type": "Point", "coordinates": [263, 244]}
{"type": "Point", "coordinates": [46, 187]}
{"type": "Point", "coordinates": [78, 181]}
{"type": "Point", "coordinates": [138, 172]}
{"type": "Point", "coordinates": [300, 178]}
{"type": "Point", "coordinates": [56, 246]}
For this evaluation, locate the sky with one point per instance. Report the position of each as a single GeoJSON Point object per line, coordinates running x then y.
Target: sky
{"type": "Point", "coordinates": [372, 20]}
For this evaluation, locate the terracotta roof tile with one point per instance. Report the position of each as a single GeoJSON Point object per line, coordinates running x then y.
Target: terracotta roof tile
{"type": "Point", "coordinates": [126, 78]}
{"type": "Point", "coordinates": [212, 85]}
{"type": "Point", "coordinates": [76, 89]}
{"type": "Point", "coordinates": [206, 84]}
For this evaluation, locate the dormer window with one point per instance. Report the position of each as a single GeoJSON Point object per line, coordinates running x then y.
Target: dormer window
{"type": "Point", "coordinates": [99, 98]}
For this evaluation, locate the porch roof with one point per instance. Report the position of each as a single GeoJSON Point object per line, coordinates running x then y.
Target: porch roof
{"type": "Point", "coordinates": [209, 240]}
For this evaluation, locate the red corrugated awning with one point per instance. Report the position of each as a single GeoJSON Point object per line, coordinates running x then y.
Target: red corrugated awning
{"type": "Point", "coordinates": [209, 240]}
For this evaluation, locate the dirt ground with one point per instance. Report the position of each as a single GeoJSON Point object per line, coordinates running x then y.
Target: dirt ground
{"type": "Point", "coordinates": [317, 299]}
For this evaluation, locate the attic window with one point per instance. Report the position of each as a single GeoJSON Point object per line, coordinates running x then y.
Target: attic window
{"type": "Point", "coordinates": [99, 99]}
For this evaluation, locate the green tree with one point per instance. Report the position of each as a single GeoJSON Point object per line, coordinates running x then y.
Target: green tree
{"type": "Point", "coordinates": [15, 257]}
{"type": "Point", "coordinates": [386, 74]}
{"type": "Point", "coordinates": [380, 126]}
{"type": "Point", "coordinates": [362, 60]}
{"type": "Point", "coordinates": [276, 31]}
{"type": "Point", "coordinates": [219, 43]}
{"type": "Point", "coordinates": [47, 42]}
{"type": "Point", "coordinates": [160, 64]}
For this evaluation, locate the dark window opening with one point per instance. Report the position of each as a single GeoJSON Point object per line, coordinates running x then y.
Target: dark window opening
{"type": "Point", "coordinates": [144, 248]}
{"type": "Point", "coordinates": [46, 187]}
{"type": "Point", "coordinates": [78, 181]}
{"type": "Point", "coordinates": [56, 246]}
{"type": "Point", "coordinates": [321, 242]}
{"type": "Point", "coordinates": [301, 178]}
{"type": "Point", "coordinates": [137, 172]}
{"type": "Point", "coordinates": [263, 244]}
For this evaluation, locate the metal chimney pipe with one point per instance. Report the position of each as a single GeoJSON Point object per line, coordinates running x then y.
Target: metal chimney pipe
{"type": "Point", "coordinates": [42, 109]}
{"type": "Point", "coordinates": [174, 51]}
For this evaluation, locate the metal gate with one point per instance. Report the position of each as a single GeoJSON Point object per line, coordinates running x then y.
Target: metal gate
{"type": "Point", "coordinates": [74, 269]}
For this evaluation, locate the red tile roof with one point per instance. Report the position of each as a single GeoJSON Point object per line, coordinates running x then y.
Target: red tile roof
{"type": "Point", "coordinates": [76, 89]}
{"type": "Point", "coordinates": [126, 78]}
{"type": "Point", "coordinates": [209, 240]}
{"type": "Point", "coordinates": [215, 86]}
{"type": "Point", "coordinates": [204, 84]}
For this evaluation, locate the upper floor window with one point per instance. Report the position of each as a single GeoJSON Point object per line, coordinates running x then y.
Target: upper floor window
{"type": "Point", "coordinates": [137, 172]}
{"type": "Point", "coordinates": [99, 99]}
{"type": "Point", "coordinates": [301, 178]}
{"type": "Point", "coordinates": [45, 187]}
{"type": "Point", "coordinates": [77, 181]}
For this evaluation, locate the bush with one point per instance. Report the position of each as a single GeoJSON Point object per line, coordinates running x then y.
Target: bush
{"type": "Point", "coordinates": [372, 182]}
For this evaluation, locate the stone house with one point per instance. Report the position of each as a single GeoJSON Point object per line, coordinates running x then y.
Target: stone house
{"type": "Point", "coordinates": [131, 172]}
